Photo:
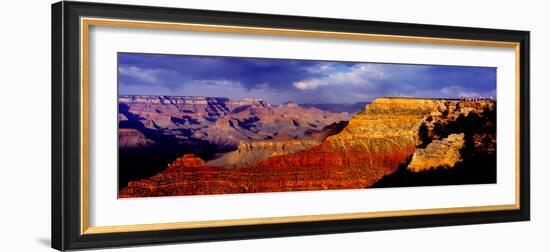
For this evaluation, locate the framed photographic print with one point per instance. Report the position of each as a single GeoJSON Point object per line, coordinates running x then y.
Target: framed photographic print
{"type": "Point", "coordinates": [180, 125]}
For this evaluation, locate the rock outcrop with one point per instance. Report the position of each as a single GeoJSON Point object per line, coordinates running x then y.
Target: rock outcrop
{"type": "Point", "coordinates": [457, 145]}
{"type": "Point", "coordinates": [249, 152]}
{"type": "Point", "coordinates": [252, 151]}
{"type": "Point", "coordinates": [439, 153]}
{"type": "Point", "coordinates": [132, 138]}
{"type": "Point", "coordinates": [371, 146]}
{"type": "Point", "coordinates": [186, 162]}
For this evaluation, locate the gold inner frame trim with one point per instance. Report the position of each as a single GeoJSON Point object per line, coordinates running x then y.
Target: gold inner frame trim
{"type": "Point", "coordinates": [288, 219]}
{"type": "Point", "coordinates": [85, 24]}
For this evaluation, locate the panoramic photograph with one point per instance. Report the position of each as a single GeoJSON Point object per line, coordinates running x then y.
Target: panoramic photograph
{"type": "Point", "coordinates": [203, 125]}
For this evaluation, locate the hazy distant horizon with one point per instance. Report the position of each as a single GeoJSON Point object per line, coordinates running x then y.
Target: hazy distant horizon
{"type": "Point", "coordinates": [277, 81]}
{"type": "Point", "coordinates": [345, 103]}
{"type": "Point", "coordinates": [233, 99]}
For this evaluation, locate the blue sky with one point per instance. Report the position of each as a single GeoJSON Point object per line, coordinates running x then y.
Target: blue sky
{"type": "Point", "coordinates": [300, 81]}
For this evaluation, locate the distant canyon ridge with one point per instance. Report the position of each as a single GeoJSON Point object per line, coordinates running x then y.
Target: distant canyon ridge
{"type": "Point", "coordinates": [177, 145]}
{"type": "Point", "coordinates": [155, 130]}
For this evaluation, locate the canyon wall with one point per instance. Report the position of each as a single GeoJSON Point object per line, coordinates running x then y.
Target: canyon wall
{"type": "Point", "coordinates": [372, 145]}
{"type": "Point", "coordinates": [250, 152]}
{"type": "Point", "coordinates": [154, 130]}
{"type": "Point", "coordinates": [221, 121]}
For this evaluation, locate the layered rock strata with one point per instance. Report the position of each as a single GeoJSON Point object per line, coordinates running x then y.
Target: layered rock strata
{"type": "Point", "coordinates": [439, 153]}
{"type": "Point", "coordinates": [132, 138]}
{"type": "Point", "coordinates": [221, 121]}
{"type": "Point", "coordinates": [374, 143]}
{"type": "Point", "coordinates": [250, 152]}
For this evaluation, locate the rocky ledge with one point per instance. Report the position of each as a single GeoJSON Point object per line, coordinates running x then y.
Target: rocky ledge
{"type": "Point", "coordinates": [439, 153]}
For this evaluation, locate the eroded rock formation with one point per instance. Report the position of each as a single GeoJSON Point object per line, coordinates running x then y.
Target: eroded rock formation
{"type": "Point", "coordinates": [132, 138]}
{"type": "Point", "coordinates": [153, 130]}
{"type": "Point", "coordinates": [187, 161]}
{"type": "Point", "coordinates": [373, 145]}
{"type": "Point", "coordinates": [439, 153]}
{"type": "Point", "coordinates": [221, 121]}
{"type": "Point", "coordinates": [250, 152]}
{"type": "Point", "coordinates": [461, 131]}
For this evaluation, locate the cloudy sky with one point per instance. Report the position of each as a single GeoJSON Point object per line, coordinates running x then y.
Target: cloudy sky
{"type": "Point", "coordinates": [301, 81]}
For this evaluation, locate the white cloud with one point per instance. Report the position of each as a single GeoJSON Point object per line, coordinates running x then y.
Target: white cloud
{"type": "Point", "coordinates": [307, 85]}
{"type": "Point", "coordinates": [360, 74]}
{"type": "Point", "coordinates": [456, 91]}
{"type": "Point", "coordinates": [262, 86]}
{"type": "Point", "coordinates": [144, 75]}
{"type": "Point", "coordinates": [233, 90]}
{"type": "Point", "coordinates": [168, 77]}
{"type": "Point", "coordinates": [322, 68]}
{"type": "Point", "coordinates": [451, 91]}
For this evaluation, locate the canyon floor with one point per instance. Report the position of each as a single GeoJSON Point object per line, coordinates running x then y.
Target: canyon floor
{"type": "Point", "coordinates": [205, 145]}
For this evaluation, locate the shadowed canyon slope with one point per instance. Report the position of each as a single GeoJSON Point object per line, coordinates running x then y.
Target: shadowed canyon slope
{"type": "Point", "coordinates": [376, 144]}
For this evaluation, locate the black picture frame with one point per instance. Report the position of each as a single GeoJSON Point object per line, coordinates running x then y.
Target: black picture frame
{"type": "Point", "coordinates": [66, 124]}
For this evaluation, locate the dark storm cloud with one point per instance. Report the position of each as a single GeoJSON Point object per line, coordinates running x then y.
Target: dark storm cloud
{"type": "Point", "coordinates": [302, 81]}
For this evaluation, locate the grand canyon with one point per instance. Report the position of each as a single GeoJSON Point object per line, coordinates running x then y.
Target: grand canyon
{"type": "Point", "coordinates": [193, 145]}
